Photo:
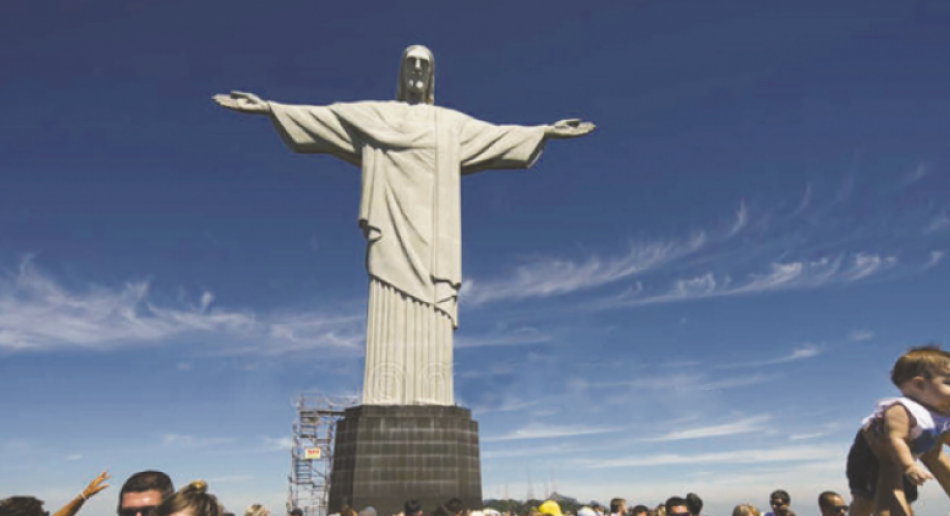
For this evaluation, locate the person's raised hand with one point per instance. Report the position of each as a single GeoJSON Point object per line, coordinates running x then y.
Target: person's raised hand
{"type": "Point", "coordinates": [96, 485]}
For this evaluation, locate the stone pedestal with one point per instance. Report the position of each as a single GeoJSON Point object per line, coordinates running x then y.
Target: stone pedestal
{"type": "Point", "coordinates": [387, 454]}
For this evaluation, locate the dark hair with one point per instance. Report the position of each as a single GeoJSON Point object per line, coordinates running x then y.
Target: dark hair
{"type": "Point", "coordinates": [824, 499]}
{"type": "Point", "coordinates": [925, 361]}
{"type": "Point", "coordinates": [21, 506]}
{"type": "Point", "coordinates": [615, 505]}
{"type": "Point", "coordinates": [674, 501]}
{"type": "Point", "coordinates": [781, 494]}
{"type": "Point", "coordinates": [296, 511]}
{"type": "Point", "coordinates": [694, 503]}
{"type": "Point", "coordinates": [640, 508]}
{"type": "Point", "coordinates": [441, 511]}
{"type": "Point", "coordinates": [194, 498]}
{"type": "Point", "coordinates": [412, 507]}
{"type": "Point", "coordinates": [455, 506]}
{"type": "Point", "coordinates": [147, 481]}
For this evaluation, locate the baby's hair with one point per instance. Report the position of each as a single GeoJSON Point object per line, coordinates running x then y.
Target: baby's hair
{"type": "Point", "coordinates": [924, 361]}
{"type": "Point", "coordinates": [194, 499]}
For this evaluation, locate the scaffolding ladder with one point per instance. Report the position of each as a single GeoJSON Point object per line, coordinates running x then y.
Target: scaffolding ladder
{"type": "Point", "coordinates": [311, 452]}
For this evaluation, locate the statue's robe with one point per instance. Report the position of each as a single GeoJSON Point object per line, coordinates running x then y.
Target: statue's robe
{"type": "Point", "coordinates": [412, 158]}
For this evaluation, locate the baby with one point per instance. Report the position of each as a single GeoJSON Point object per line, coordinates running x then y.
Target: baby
{"type": "Point", "coordinates": [883, 472]}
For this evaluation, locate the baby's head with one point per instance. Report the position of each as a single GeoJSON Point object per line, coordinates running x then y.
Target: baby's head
{"type": "Point", "coordinates": [919, 372]}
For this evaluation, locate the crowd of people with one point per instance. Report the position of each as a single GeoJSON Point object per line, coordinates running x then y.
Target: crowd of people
{"type": "Point", "coordinates": [151, 493]}
{"type": "Point", "coordinates": [882, 468]}
{"type": "Point", "coordinates": [829, 504]}
{"type": "Point", "coordinates": [147, 493]}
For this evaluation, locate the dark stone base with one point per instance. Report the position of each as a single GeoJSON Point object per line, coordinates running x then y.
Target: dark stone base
{"type": "Point", "coordinates": [385, 455]}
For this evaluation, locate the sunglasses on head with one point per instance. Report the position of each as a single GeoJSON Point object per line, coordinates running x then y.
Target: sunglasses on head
{"type": "Point", "coordinates": [150, 510]}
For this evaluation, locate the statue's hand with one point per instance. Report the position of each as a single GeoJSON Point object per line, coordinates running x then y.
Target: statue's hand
{"type": "Point", "coordinates": [243, 103]}
{"type": "Point", "coordinates": [570, 128]}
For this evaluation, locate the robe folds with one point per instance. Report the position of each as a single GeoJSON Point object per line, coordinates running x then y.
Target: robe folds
{"type": "Point", "coordinates": [412, 158]}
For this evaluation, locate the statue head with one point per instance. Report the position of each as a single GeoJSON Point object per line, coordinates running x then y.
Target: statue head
{"type": "Point", "coordinates": [416, 76]}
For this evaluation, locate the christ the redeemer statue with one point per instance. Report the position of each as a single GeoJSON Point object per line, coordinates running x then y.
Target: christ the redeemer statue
{"type": "Point", "coordinates": [413, 155]}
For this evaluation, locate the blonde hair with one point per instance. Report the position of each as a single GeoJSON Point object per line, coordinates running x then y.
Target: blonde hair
{"type": "Point", "coordinates": [924, 361]}
{"type": "Point", "coordinates": [193, 498]}
{"type": "Point", "coordinates": [256, 510]}
{"type": "Point", "coordinates": [745, 509]}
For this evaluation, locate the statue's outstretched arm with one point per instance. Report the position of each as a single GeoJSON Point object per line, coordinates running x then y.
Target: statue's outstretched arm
{"type": "Point", "coordinates": [570, 128]}
{"type": "Point", "coordinates": [243, 103]}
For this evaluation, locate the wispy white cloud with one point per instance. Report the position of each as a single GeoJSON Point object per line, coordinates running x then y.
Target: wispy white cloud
{"type": "Point", "coordinates": [38, 313]}
{"type": "Point", "coordinates": [866, 265]}
{"type": "Point", "coordinates": [502, 368]}
{"type": "Point", "coordinates": [939, 223]}
{"type": "Point", "coordinates": [734, 382]}
{"type": "Point", "coordinates": [794, 275]}
{"type": "Point", "coordinates": [779, 454]}
{"type": "Point", "coordinates": [551, 450]}
{"type": "Point", "coordinates": [516, 337]}
{"type": "Point", "coordinates": [741, 220]}
{"type": "Point", "coordinates": [805, 351]}
{"type": "Point", "coordinates": [542, 431]}
{"type": "Point", "coordinates": [685, 382]}
{"type": "Point", "coordinates": [802, 437]}
{"type": "Point", "coordinates": [843, 195]}
{"type": "Point", "coordinates": [15, 445]}
{"type": "Point", "coordinates": [74, 457]}
{"type": "Point", "coordinates": [552, 276]}
{"type": "Point", "coordinates": [919, 172]}
{"type": "Point", "coordinates": [277, 443]}
{"type": "Point", "coordinates": [860, 335]}
{"type": "Point", "coordinates": [935, 258]}
{"type": "Point", "coordinates": [714, 264]}
{"type": "Point", "coordinates": [743, 426]}
{"type": "Point", "coordinates": [805, 201]}
{"type": "Point", "coordinates": [506, 404]}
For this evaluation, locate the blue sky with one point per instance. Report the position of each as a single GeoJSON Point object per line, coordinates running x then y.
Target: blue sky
{"type": "Point", "coordinates": [704, 295]}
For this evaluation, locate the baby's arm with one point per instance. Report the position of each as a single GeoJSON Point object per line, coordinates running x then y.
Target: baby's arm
{"type": "Point", "coordinates": [897, 430]}
{"type": "Point", "coordinates": [939, 464]}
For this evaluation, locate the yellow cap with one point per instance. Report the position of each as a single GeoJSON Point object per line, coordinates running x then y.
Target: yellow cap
{"type": "Point", "coordinates": [550, 507]}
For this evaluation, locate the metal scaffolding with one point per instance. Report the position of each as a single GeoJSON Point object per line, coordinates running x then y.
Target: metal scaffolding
{"type": "Point", "coordinates": [311, 452]}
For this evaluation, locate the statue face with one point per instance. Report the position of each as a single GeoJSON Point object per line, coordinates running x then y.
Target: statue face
{"type": "Point", "coordinates": [417, 71]}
